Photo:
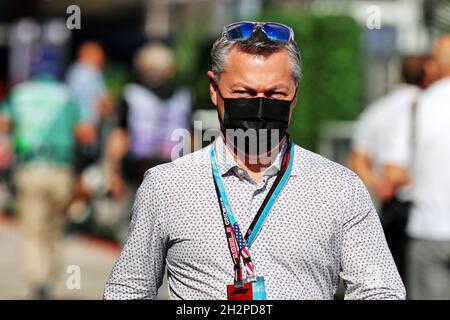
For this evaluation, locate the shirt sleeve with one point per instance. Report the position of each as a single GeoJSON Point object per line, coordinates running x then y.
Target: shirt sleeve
{"type": "Point", "coordinates": [367, 267]}
{"type": "Point", "coordinates": [363, 138]}
{"type": "Point", "coordinates": [398, 143]}
{"type": "Point", "coordinates": [139, 270]}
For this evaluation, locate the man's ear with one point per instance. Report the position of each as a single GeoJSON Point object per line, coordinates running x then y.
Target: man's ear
{"type": "Point", "coordinates": [294, 102]}
{"type": "Point", "coordinates": [213, 89]}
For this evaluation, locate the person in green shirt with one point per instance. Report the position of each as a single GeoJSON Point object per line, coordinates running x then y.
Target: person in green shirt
{"type": "Point", "coordinates": [42, 120]}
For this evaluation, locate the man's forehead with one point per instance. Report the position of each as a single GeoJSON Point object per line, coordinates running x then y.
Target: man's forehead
{"type": "Point", "coordinates": [259, 58]}
{"type": "Point", "coordinates": [258, 68]}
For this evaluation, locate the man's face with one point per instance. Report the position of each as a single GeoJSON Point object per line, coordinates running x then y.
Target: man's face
{"type": "Point", "coordinates": [250, 76]}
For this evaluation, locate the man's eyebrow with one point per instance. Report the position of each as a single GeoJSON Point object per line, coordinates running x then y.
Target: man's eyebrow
{"type": "Point", "coordinates": [278, 86]}
{"type": "Point", "coordinates": [247, 87]}
{"type": "Point", "coordinates": [241, 85]}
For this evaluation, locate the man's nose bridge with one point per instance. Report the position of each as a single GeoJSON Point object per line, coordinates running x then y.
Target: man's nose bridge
{"type": "Point", "coordinates": [260, 106]}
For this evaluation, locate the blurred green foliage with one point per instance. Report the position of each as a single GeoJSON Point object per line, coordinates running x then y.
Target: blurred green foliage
{"type": "Point", "coordinates": [192, 48]}
{"type": "Point", "coordinates": [116, 76]}
{"type": "Point", "coordinates": [332, 83]}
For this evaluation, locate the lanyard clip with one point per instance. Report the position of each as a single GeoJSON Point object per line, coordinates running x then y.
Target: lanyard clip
{"type": "Point", "coordinates": [251, 278]}
{"type": "Point", "coordinates": [239, 284]}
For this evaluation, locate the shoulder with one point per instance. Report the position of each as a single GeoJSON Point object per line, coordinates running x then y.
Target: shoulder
{"type": "Point", "coordinates": [136, 91]}
{"type": "Point", "coordinates": [374, 108]}
{"type": "Point", "coordinates": [72, 71]}
{"type": "Point", "coordinates": [437, 92]}
{"type": "Point", "coordinates": [131, 87]}
{"type": "Point", "coordinates": [51, 89]}
{"type": "Point", "coordinates": [311, 161]}
{"type": "Point", "coordinates": [329, 182]}
{"type": "Point", "coordinates": [325, 171]}
{"type": "Point", "coordinates": [22, 87]}
{"type": "Point", "coordinates": [187, 168]}
{"type": "Point", "coordinates": [403, 92]}
{"type": "Point", "coordinates": [369, 118]}
{"type": "Point", "coordinates": [78, 73]}
{"type": "Point", "coordinates": [58, 91]}
{"type": "Point", "coordinates": [135, 88]}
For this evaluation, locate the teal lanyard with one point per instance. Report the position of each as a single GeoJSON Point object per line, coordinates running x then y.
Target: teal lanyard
{"type": "Point", "coordinates": [226, 203]}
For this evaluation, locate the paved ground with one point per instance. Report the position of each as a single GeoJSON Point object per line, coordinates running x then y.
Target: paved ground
{"type": "Point", "coordinates": [95, 259]}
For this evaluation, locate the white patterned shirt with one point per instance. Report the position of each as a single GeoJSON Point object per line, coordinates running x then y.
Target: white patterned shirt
{"type": "Point", "coordinates": [322, 226]}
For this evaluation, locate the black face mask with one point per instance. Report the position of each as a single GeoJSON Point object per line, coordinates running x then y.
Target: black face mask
{"type": "Point", "coordinates": [262, 122]}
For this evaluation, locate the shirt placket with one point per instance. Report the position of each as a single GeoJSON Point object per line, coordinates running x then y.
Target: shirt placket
{"type": "Point", "coordinates": [258, 194]}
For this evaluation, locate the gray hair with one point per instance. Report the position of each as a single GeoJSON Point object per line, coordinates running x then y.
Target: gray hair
{"type": "Point", "coordinates": [257, 44]}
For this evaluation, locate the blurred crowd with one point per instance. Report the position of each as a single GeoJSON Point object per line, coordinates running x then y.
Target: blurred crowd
{"type": "Point", "coordinates": [71, 147]}
{"type": "Point", "coordinates": [401, 150]}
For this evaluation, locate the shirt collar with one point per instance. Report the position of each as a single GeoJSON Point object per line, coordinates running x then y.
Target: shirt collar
{"type": "Point", "coordinates": [227, 164]}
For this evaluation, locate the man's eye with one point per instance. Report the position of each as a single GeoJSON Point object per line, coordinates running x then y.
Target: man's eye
{"type": "Point", "coordinates": [278, 95]}
{"type": "Point", "coordinates": [242, 93]}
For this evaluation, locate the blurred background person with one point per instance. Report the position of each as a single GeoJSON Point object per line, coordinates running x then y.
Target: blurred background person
{"type": "Point", "coordinates": [85, 80]}
{"type": "Point", "coordinates": [87, 85]}
{"type": "Point", "coordinates": [42, 118]}
{"type": "Point", "coordinates": [153, 106]}
{"type": "Point", "coordinates": [428, 161]}
{"type": "Point", "coordinates": [371, 137]}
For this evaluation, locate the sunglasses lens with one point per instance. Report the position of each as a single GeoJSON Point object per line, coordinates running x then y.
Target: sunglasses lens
{"type": "Point", "coordinates": [277, 32]}
{"type": "Point", "coordinates": [240, 31]}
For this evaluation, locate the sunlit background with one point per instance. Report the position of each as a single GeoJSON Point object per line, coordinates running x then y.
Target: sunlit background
{"type": "Point", "coordinates": [351, 53]}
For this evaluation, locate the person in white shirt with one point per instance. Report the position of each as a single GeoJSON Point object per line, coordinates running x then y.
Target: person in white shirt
{"type": "Point", "coordinates": [429, 174]}
{"type": "Point", "coordinates": [372, 134]}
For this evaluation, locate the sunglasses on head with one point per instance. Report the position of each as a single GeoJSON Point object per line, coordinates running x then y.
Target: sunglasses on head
{"type": "Point", "coordinates": [244, 29]}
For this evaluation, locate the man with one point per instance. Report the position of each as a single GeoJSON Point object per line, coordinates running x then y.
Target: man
{"type": "Point", "coordinates": [371, 138]}
{"type": "Point", "coordinates": [85, 80]}
{"type": "Point", "coordinates": [42, 117]}
{"type": "Point", "coordinates": [429, 157]}
{"type": "Point", "coordinates": [315, 219]}
{"type": "Point", "coordinates": [152, 108]}
{"type": "Point", "coordinates": [371, 134]}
